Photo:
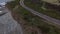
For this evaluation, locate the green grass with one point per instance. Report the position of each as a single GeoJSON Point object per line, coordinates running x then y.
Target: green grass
{"type": "Point", "coordinates": [37, 7]}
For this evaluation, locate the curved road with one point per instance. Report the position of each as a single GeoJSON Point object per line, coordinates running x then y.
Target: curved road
{"type": "Point", "coordinates": [8, 25]}
{"type": "Point", "coordinates": [55, 21]}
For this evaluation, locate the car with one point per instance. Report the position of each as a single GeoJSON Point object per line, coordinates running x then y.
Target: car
{"type": "Point", "coordinates": [2, 5]}
{"type": "Point", "coordinates": [2, 13]}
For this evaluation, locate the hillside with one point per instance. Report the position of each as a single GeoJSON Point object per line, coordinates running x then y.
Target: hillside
{"type": "Point", "coordinates": [32, 24]}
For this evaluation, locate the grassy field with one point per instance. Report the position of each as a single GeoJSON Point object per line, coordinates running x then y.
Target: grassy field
{"type": "Point", "coordinates": [38, 7]}
{"type": "Point", "coordinates": [35, 21]}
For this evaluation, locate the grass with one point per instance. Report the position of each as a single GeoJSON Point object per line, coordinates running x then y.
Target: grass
{"type": "Point", "coordinates": [37, 7]}
{"type": "Point", "coordinates": [36, 21]}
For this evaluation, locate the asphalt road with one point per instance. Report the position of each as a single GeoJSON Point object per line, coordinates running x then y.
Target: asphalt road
{"type": "Point", "coordinates": [8, 25]}
{"type": "Point", "coordinates": [50, 19]}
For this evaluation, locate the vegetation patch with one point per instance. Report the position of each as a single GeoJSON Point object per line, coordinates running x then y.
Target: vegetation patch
{"type": "Point", "coordinates": [37, 6]}
{"type": "Point", "coordinates": [12, 4]}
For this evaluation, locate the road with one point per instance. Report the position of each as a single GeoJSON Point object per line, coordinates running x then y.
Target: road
{"type": "Point", "coordinates": [50, 19]}
{"type": "Point", "coordinates": [8, 25]}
